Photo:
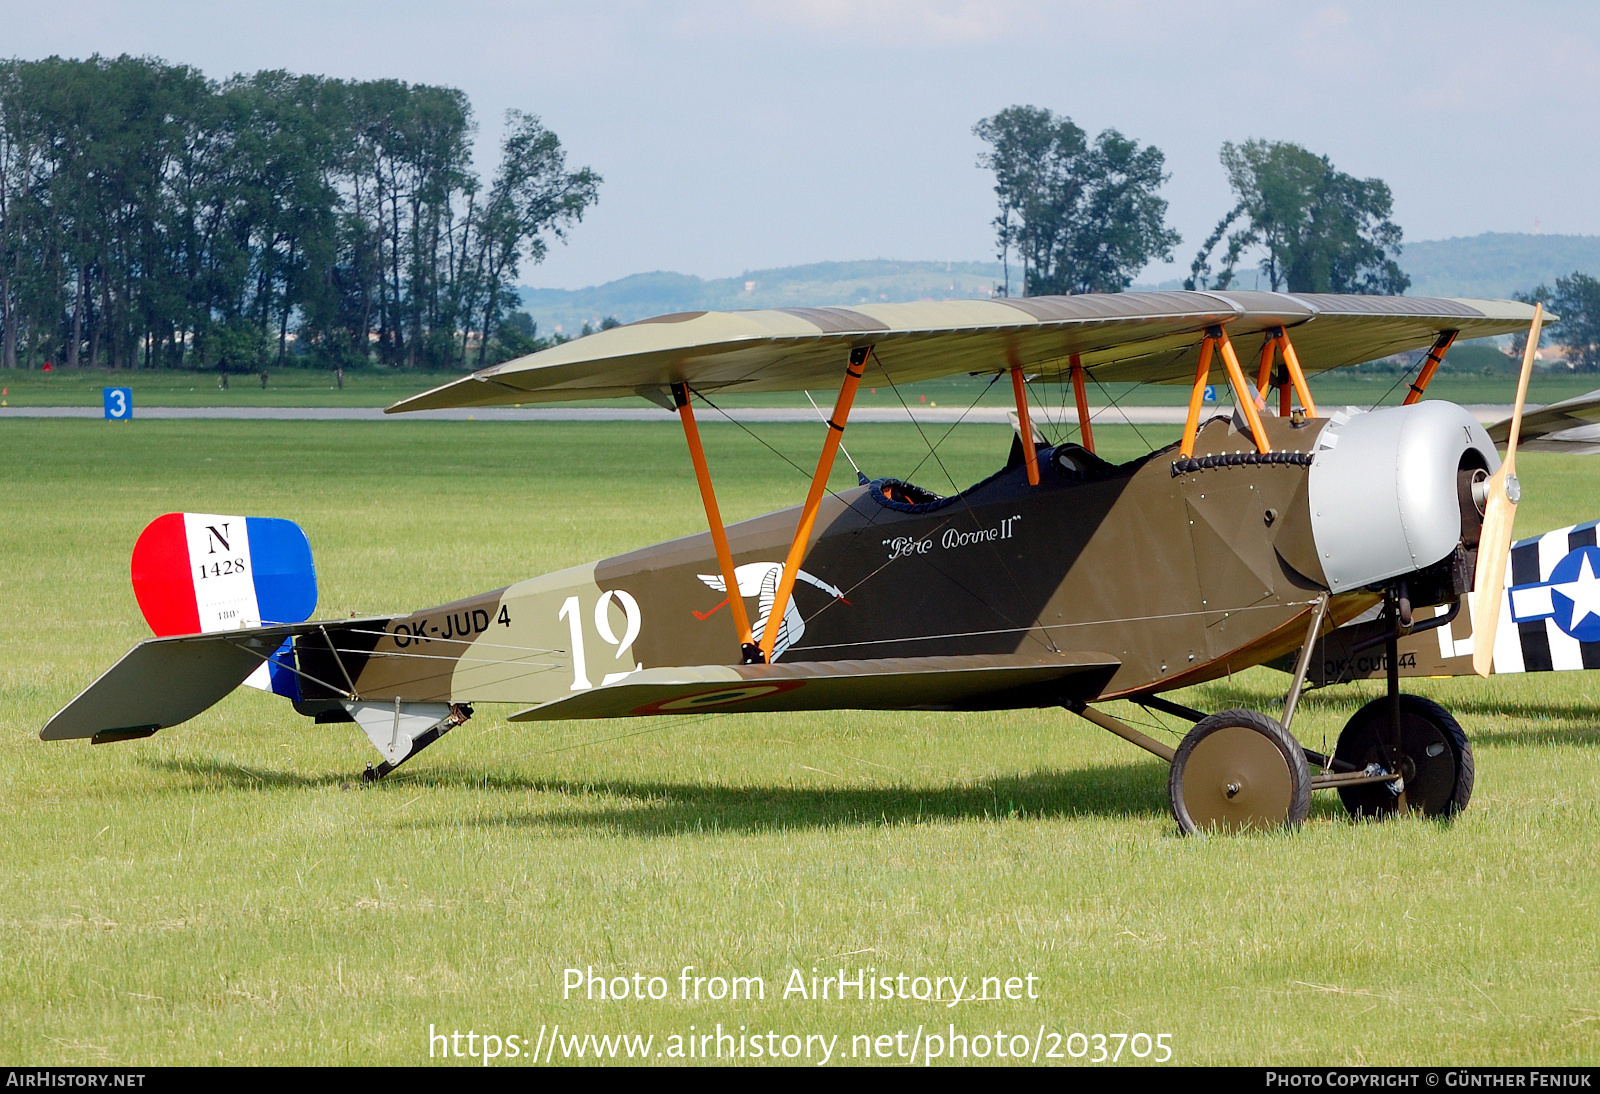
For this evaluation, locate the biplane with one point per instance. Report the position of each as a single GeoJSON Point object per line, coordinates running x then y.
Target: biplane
{"type": "Point", "coordinates": [1061, 580]}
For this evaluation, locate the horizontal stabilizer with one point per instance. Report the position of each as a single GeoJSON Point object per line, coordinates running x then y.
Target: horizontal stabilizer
{"type": "Point", "coordinates": [164, 681]}
{"type": "Point", "coordinates": [980, 682]}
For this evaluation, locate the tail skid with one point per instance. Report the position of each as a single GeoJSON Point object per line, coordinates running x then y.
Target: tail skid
{"type": "Point", "coordinates": [401, 730]}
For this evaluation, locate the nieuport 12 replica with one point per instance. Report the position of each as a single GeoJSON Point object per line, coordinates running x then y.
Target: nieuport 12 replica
{"type": "Point", "coordinates": [1060, 580]}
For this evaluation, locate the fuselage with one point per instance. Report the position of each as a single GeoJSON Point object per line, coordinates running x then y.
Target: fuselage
{"type": "Point", "coordinates": [1179, 570]}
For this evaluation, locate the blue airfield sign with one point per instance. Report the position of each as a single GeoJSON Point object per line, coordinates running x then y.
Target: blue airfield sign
{"type": "Point", "coordinates": [119, 403]}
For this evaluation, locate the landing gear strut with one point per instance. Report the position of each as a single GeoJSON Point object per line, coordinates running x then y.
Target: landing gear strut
{"type": "Point", "coordinates": [1239, 770]}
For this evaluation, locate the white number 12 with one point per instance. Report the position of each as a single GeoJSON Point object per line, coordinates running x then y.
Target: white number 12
{"type": "Point", "coordinates": [632, 618]}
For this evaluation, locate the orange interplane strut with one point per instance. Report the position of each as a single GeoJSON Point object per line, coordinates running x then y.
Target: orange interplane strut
{"type": "Point", "coordinates": [1441, 346]}
{"type": "Point", "coordinates": [808, 513]}
{"type": "Point", "coordinates": [1025, 426]}
{"type": "Point", "coordinates": [719, 537]}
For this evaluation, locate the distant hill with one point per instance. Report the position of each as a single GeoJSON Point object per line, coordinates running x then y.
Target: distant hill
{"type": "Point", "coordinates": [640, 296]}
{"type": "Point", "coordinates": [1492, 265]}
{"type": "Point", "coordinates": [1496, 264]}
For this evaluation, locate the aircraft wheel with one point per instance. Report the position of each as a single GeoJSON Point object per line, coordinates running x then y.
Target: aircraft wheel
{"type": "Point", "coordinates": [1436, 759]}
{"type": "Point", "coordinates": [1239, 770]}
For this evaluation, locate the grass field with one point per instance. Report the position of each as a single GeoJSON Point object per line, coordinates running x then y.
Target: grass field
{"type": "Point", "coordinates": [380, 387]}
{"type": "Point", "coordinates": [216, 894]}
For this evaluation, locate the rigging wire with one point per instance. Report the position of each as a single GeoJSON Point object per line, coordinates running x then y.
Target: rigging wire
{"type": "Point", "coordinates": [1404, 376]}
{"type": "Point", "coordinates": [1164, 617]}
{"type": "Point", "coordinates": [966, 503]}
{"type": "Point", "coordinates": [1042, 388]}
{"type": "Point", "coordinates": [1116, 404]}
{"type": "Point", "coordinates": [869, 513]}
{"type": "Point", "coordinates": [931, 447]}
{"type": "Point", "coordinates": [747, 429]}
{"type": "Point", "coordinates": [859, 476]}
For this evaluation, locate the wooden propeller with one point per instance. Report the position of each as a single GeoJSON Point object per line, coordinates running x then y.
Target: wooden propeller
{"type": "Point", "coordinates": [1500, 511]}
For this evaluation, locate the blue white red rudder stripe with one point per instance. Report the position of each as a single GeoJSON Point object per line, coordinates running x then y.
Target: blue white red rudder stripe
{"type": "Point", "coordinates": [196, 573]}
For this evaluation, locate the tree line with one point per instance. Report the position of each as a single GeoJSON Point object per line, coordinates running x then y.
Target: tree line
{"type": "Point", "coordinates": [1084, 216]}
{"type": "Point", "coordinates": [1087, 217]}
{"type": "Point", "coordinates": [150, 217]}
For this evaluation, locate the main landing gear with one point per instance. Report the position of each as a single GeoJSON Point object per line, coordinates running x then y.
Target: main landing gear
{"type": "Point", "coordinates": [1241, 770]}
{"type": "Point", "coordinates": [1433, 758]}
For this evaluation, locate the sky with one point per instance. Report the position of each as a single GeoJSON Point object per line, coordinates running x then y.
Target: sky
{"type": "Point", "coordinates": [742, 136]}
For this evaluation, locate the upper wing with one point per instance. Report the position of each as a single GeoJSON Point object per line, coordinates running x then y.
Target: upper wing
{"type": "Point", "coordinates": [977, 682]}
{"type": "Point", "coordinates": [1149, 337]}
{"type": "Point", "coordinates": [1571, 426]}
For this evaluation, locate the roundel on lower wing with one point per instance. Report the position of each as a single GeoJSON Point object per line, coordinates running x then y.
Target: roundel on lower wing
{"type": "Point", "coordinates": [1575, 594]}
{"type": "Point", "coordinates": [714, 698]}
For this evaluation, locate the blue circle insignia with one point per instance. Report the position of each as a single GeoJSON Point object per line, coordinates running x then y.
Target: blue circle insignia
{"type": "Point", "coordinates": [1575, 594]}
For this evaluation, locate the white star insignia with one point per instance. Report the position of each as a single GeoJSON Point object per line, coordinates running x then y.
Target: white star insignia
{"type": "Point", "coordinates": [1584, 592]}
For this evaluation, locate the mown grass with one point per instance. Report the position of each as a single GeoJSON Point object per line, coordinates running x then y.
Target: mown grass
{"type": "Point", "coordinates": [216, 894]}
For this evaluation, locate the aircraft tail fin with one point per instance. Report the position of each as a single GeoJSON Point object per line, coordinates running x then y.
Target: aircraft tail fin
{"type": "Point", "coordinates": [205, 573]}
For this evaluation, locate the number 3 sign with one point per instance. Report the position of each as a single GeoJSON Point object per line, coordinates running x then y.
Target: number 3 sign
{"type": "Point", "coordinates": [119, 403]}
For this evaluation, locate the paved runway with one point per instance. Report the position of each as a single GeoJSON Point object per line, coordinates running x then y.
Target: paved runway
{"type": "Point", "coordinates": [1133, 415]}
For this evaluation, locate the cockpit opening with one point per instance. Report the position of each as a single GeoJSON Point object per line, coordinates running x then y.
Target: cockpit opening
{"type": "Point", "coordinates": [1065, 462]}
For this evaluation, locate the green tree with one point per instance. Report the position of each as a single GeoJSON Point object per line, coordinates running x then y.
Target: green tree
{"type": "Point", "coordinates": [1576, 299]}
{"type": "Point", "coordinates": [150, 216]}
{"type": "Point", "coordinates": [1577, 302]}
{"type": "Point", "coordinates": [1082, 217]}
{"type": "Point", "coordinates": [1320, 229]}
{"type": "Point", "coordinates": [533, 197]}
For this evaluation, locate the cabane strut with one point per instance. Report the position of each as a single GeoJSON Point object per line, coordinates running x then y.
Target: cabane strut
{"type": "Point", "coordinates": [1251, 400]}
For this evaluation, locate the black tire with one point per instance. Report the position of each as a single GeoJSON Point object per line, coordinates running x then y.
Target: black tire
{"type": "Point", "coordinates": [1239, 770]}
{"type": "Point", "coordinates": [1437, 760]}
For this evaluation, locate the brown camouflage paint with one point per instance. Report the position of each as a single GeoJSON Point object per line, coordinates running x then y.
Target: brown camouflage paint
{"type": "Point", "coordinates": [1174, 578]}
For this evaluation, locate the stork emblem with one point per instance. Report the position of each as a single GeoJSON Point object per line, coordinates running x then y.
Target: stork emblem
{"type": "Point", "coordinates": [760, 579]}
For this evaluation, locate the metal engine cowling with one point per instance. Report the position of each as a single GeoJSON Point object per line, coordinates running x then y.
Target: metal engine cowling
{"type": "Point", "coordinates": [1385, 489]}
